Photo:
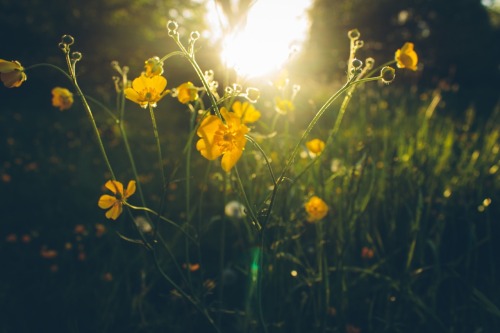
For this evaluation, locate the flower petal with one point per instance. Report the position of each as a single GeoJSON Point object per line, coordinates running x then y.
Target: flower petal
{"type": "Point", "coordinates": [9, 66]}
{"type": "Point", "coordinates": [140, 83]}
{"type": "Point", "coordinates": [132, 95]}
{"type": "Point", "coordinates": [159, 83]}
{"type": "Point", "coordinates": [106, 201]}
{"type": "Point", "coordinates": [207, 145]}
{"type": "Point", "coordinates": [114, 186]}
{"type": "Point", "coordinates": [115, 211]}
{"type": "Point", "coordinates": [230, 158]}
{"type": "Point", "coordinates": [13, 79]}
{"type": "Point", "coordinates": [130, 189]}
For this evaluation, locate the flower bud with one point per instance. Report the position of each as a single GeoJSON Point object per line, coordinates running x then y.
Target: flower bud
{"type": "Point", "coordinates": [76, 56]}
{"type": "Point", "coordinates": [387, 74]}
{"type": "Point", "coordinates": [252, 94]}
{"type": "Point", "coordinates": [67, 39]}
{"type": "Point", "coordinates": [353, 34]}
{"type": "Point", "coordinates": [356, 63]}
{"type": "Point", "coordinates": [153, 66]}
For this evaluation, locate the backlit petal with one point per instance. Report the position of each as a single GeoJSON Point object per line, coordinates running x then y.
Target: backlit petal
{"type": "Point", "coordinates": [230, 158]}
{"type": "Point", "coordinates": [115, 211]}
{"type": "Point", "coordinates": [9, 66]}
{"type": "Point", "coordinates": [106, 201]}
{"type": "Point", "coordinates": [132, 95]}
{"type": "Point", "coordinates": [114, 186]}
{"type": "Point", "coordinates": [207, 145]}
{"type": "Point", "coordinates": [158, 82]}
{"type": "Point", "coordinates": [130, 189]}
{"type": "Point", "coordinates": [140, 83]}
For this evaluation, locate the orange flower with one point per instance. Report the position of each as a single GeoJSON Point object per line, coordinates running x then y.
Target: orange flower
{"type": "Point", "coordinates": [12, 73]}
{"type": "Point", "coordinates": [62, 98]}
{"type": "Point", "coordinates": [219, 139]}
{"type": "Point", "coordinates": [406, 57]}
{"type": "Point", "coordinates": [315, 146]}
{"type": "Point", "coordinates": [147, 90]}
{"type": "Point", "coordinates": [316, 209]}
{"type": "Point", "coordinates": [115, 203]}
{"type": "Point", "coordinates": [187, 92]}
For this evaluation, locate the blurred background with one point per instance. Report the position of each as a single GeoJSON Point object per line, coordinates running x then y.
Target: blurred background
{"type": "Point", "coordinates": [61, 268]}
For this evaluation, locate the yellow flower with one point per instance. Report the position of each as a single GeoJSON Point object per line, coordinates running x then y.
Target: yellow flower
{"type": "Point", "coordinates": [153, 66]}
{"type": "Point", "coordinates": [187, 92]}
{"type": "Point", "coordinates": [217, 138]}
{"type": "Point", "coordinates": [315, 146]}
{"type": "Point", "coordinates": [115, 203]}
{"type": "Point", "coordinates": [12, 73]}
{"type": "Point", "coordinates": [283, 106]}
{"type": "Point", "coordinates": [406, 57]}
{"type": "Point", "coordinates": [316, 209]}
{"type": "Point", "coordinates": [62, 98]}
{"type": "Point", "coordinates": [246, 112]}
{"type": "Point", "coordinates": [147, 90]}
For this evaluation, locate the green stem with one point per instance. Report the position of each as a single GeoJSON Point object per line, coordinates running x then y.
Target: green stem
{"type": "Point", "coordinates": [158, 146]}
{"type": "Point", "coordinates": [146, 209]}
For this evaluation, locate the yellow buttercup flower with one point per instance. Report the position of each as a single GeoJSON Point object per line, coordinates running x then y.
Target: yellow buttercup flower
{"type": "Point", "coordinates": [217, 138]}
{"type": "Point", "coordinates": [115, 203]}
{"type": "Point", "coordinates": [246, 112]}
{"type": "Point", "coordinates": [283, 106]}
{"type": "Point", "coordinates": [62, 98]}
{"type": "Point", "coordinates": [147, 90]}
{"type": "Point", "coordinates": [152, 67]}
{"type": "Point", "coordinates": [315, 146]}
{"type": "Point", "coordinates": [406, 57]}
{"type": "Point", "coordinates": [12, 73]}
{"type": "Point", "coordinates": [316, 209]}
{"type": "Point", "coordinates": [187, 92]}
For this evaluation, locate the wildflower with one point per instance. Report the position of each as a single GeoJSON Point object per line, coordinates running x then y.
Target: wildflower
{"type": "Point", "coordinates": [316, 209]}
{"type": "Point", "coordinates": [246, 112]}
{"type": "Point", "coordinates": [153, 67]}
{"type": "Point", "coordinates": [406, 57]}
{"type": "Point", "coordinates": [147, 90]}
{"type": "Point", "coordinates": [219, 139]}
{"type": "Point", "coordinates": [12, 73]}
{"type": "Point", "coordinates": [315, 146]}
{"type": "Point", "coordinates": [116, 202]}
{"type": "Point", "coordinates": [283, 106]}
{"type": "Point", "coordinates": [62, 98]}
{"type": "Point", "coordinates": [187, 92]}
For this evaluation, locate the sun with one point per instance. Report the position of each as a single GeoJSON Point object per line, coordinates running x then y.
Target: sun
{"type": "Point", "coordinates": [272, 31]}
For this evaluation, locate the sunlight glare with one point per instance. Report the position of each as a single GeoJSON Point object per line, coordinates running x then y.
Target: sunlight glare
{"type": "Point", "coordinates": [272, 31]}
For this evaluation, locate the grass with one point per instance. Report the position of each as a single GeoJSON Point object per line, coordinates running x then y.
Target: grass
{"type": "Point", "coordinates": [408, 244]}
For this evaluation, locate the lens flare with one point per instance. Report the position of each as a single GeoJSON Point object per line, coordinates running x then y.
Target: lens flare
{"type": "Point", "coordinates": [272, 31]}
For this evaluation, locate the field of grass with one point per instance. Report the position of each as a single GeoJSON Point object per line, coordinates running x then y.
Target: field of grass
{"type": "Point", "coordinates": [408, 244]}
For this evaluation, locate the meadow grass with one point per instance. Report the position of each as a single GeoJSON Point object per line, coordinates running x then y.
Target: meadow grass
{"type": "Point", "coordinates": [407, 243]}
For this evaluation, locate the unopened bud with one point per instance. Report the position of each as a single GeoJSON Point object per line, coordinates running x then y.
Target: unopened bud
{"type": "Point", "coordinates": [67, 39]}
{"type": "Point", "coordinates": [356, 63]}
{"type": "Point", "coordinates": [353, 34]}
{"type": "Point", "coordinates": [387, 74]}
{"type": "Point", "coordinates": [76, 56]}
{"type": "Point", "coordinates": [252, 94]}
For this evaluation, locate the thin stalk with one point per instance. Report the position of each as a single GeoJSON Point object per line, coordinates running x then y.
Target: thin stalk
{"type": "Point", "coordinates": [158, 146]}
